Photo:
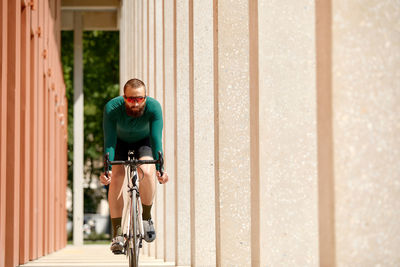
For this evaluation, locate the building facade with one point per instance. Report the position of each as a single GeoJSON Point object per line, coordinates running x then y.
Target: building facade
{"type": "Point", "coordinates": [33, 132]}
{"type": "Point", "coordinates": [281, 129]}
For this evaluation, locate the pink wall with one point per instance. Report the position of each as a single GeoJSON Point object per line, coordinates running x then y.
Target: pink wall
{"type": "Point", "coordinates": [33, 112]}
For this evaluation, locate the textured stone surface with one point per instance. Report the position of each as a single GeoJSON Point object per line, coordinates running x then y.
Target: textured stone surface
{"type": "Point", "coordinates": [159, 95]}
{"type": "Point", "coordinates": [151, 89]}
{"type": "Point", "coordinates": [144, 71]}
{"type": "Point", "coordinates": [234, 132]}
{"type": "Point", "coordinates": [288, 170]}
{"type": "Point", "coordinates": [365, 64]}
{"type": "Point", "coordinates": [183, 134]}
{"type": "Point", "coordinates": [169, 137]}
{"type": "Point", "coordinates": [366, 95]}
{"type": "Point", "coordinates": [150, 47]}
{"type": "Point", "coordinates": [203, 92]}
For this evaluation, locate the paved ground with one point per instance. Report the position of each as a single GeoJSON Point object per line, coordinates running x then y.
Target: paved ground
{"type": "Point", "coordinates": [91, 256]}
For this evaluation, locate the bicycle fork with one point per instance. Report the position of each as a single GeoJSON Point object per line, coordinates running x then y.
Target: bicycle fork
{"type": "Point", "coordinates": [131, 192]}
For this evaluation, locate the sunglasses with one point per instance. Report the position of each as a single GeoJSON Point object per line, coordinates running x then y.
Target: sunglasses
{"type": "Point", "coordinates": [135, 99]}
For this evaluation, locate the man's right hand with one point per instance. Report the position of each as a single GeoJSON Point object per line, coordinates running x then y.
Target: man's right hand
{"type": "Point", "coordinates": [104, 179]}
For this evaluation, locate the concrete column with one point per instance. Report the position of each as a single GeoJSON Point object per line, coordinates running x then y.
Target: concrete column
{"type": "Point", "coordinates": [150, 90]}
{"type": "Point", "coordinates": [150, 47]}
{"type": "Point", "coordinates": [40, 135]}
{"type": "Point", "coordinates": [13, 134]}
{"type": "Point", "coordinates": [366, 143]}
{"type": "Point", "coordinates": [254, 133]}
{"type": "Point", "coordinates": [182, 182]}
{"type": "Point", "coordinates": [159, 95]}
{"type": "Point", "coordinates": [26, 127]}
{"type": "Point", "coordinates": [145, 48]}
{"type": "Point", "coordinates": [3, 129]}
{"type": "Point", "coordinates": [65, 169]}
{"type": "Point", "coordinates": [203, 179]}
{"type": "Point", "coordinates": [52, 176]}
{"type": "Point", "coordinates": [135, 32]}
{"type": "Point", "coordinates": [288, 169]}
{"type": "Point", "coordinates": [131, 42]}
{"type": "Point", "coordinates": [122, 46]}
{"type": "Point", "coordinates": [56, 172]}
{"type": "Point", "coordinates": [139, 51]}
{"type": "Point", "coordinates": [169, 132]}
{"type": "Point", "coordinates": [34, 137]}
{"type": "Point", "coordinates": [145, 64]}
{"type": "Point", "coordinates": [326, 199]}
{"type": "Point", "coordinates": [78, 131]}
{"type": "Point", "coordinates": [46, 199]}
{"type": "Point", "coordinates": [234, 198]}
{"type": "Point", "coordinates": [45, 136]}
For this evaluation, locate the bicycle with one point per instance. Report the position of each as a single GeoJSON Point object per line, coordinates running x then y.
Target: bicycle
{"type": "Point", "coordinates": [133, 239]}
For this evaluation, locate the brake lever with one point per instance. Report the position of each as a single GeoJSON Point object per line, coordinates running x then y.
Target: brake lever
{"type": "Point", "coordinates": [106, 164]}
{"type": "Point", "coordinates": [161, 163]}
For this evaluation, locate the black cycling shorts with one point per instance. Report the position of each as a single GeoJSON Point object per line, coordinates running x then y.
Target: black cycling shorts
{"type": "Point", "coordinates": [141, 148]}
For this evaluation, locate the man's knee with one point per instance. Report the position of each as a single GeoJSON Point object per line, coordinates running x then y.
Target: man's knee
{"type": "Point", "coordinates": [118, 172]}
{"type": "Point", "coordinates": [148, 171]}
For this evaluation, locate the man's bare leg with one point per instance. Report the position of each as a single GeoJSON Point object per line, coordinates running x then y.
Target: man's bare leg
{"type": "Point", "coordinates": [147, 184]}
{"type": "Point", "coordinates": [115, 200]}
{"type": "Point", "coordinates": [146, 189]}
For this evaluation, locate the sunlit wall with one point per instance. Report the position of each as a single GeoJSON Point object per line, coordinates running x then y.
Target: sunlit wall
{"type": "Point", "coordinates": [33, 132]}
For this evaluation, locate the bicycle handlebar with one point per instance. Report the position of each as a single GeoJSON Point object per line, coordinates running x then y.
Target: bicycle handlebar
{"type": "Point", "coordinates": [133, 161]}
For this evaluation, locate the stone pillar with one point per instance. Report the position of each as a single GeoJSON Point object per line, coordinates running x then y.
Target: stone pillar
{"type": "Point", "coordinates": [150, 47]}
{"type": "Point", "coordinates": [26, 126]}
{"type": "Point", "coordinates": [127, 43]}
{"type": "Point", "coordinates": [40, 135]}
{"type": "Point", "coordinates": [233, 177]}
{"type": "Point", "coordinates": [183, 245]}
{"type": "Point", "coordinates": [169, 129]}
{"type": "Point", "coordinates": [326, 199]}
{"type": "Point", "coordinates": [151, 88]}
{"type": "Point", "coordinates": [288, 169]}
{"type": "Point", "coordinates": [254, 133]}
{"type": "Point", "coordinates": [135, 36]}
{"type": "Point", "coordinates": [159, 95]}
{"type": "Point", "coordinates": [122, 46]}
{"type": "Point", "coordinates": [13, 129]}
{"type": "Point", "coordinates": [139, 39]}
{"type": "Point", "coordinates": [202, 125]}
{"type": "Point", "coordinates": [46, 131]}
{"type": "Point", "coordinates": [130, 30]}
{"type": "Point", "coordinates": [34, 233]}
{"type": "Point", "coordinates": [78, 131]}
{"type": "Point", "coordinates": [145, 48]}
{"type": "Point", "coordinates": [3, 129]}
{"type": "Point", "coordinates": [366, 143]}
{"type": "Point", "coordinates": [145, 64]}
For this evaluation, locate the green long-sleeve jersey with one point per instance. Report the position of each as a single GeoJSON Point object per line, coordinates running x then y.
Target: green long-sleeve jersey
{"type": "Point", "coordinates": [117, 123]}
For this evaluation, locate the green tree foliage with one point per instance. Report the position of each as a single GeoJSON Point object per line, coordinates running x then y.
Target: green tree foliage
{"type": "Point", "coordinates": [101, 83]}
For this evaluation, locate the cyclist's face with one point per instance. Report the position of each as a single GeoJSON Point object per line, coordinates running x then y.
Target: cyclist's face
{"type": "Point", "coordinates": [135, 108]}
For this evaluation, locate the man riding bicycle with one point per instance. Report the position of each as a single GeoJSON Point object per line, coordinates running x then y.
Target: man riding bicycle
{"type": "Point", "coordinates": [132, 122]}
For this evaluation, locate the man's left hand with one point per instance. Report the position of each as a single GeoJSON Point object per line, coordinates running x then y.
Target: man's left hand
{"type": "Point", "coordinates": [162, 179]}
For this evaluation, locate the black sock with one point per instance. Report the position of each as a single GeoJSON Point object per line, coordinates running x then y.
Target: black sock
{"type": "Point", "coordinates": [116, 223]}
{"type": "Point", "coordinates": [146, 215]}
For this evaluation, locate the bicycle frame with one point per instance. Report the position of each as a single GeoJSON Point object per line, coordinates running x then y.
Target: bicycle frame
{"type": "Point", "coordinates": [133, 192]}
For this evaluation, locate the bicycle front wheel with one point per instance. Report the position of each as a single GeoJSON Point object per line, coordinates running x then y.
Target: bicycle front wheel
{"type": "Point", "coordinates": [133, 251]}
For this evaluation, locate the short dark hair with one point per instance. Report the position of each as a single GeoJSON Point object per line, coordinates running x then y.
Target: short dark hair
{"type": "Point", "coordinates": [135, 83]}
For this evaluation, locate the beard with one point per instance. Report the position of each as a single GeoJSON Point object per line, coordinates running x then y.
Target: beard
{"type": "Point", "coordinates": [135, 112]}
